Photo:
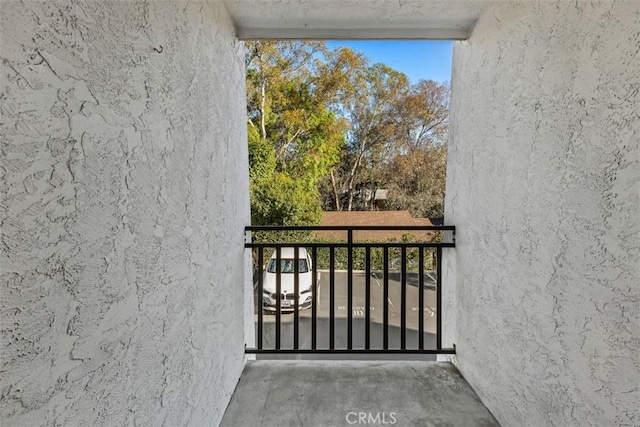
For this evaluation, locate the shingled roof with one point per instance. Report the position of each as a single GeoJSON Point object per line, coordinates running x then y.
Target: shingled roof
{"type": "Point", "coordinates": [373, 218]}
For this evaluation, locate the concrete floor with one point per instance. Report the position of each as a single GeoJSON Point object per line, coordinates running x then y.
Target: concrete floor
{"type": "Point", "coordinates": [350, 393]}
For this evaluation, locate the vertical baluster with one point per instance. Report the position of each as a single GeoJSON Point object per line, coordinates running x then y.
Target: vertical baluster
{"type": "Point", "coordinates": [385, 298]}
{"type": "Point", "coordinates": [439, 298]}
{"type": "Point", "coordinates": [278, 295]}
{"type": "Point", "coordinates": [296, 293]}
{"type": "Point", "coordinates": [403, 298]}
{"type": "Point", "coordinates": [260, 297]}
{"type": "Point", "coordinates": [314, 296]}
{"type": "Point", "coordinates": [421, 298]}
{"type": "Point", "coordinates": [367, 298]}
{"type": "Point", "coordinates": [332, 298]}
{"type": "Point", "coordinates": [350, 290]}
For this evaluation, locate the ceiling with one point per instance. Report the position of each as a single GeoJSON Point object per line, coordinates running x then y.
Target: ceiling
{"type": "Point", "coordinates": [355, 19]}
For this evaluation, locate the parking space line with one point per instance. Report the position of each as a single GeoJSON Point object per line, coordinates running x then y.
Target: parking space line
{"type": "Point", "coordinates": [388, 298]}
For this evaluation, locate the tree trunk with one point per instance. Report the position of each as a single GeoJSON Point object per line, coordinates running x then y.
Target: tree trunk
{"type": "Point", "coordinates": [262, 112]}
{"type": "Point", "coordinates": [372, 202]}
{"type": "Point", "coordinates": [352, 176]}
{"type": "Point", "coordinates": [336, 196]}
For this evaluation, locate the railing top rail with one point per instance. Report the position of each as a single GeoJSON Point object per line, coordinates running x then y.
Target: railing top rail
{"type": "Point", "coordinates": [348, 227]}
{"type": "Point", "coordinates": [350, 245]}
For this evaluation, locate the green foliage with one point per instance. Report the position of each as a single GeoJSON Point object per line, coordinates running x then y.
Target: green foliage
{"type": "Point", "coordinates": [294, 137]}
{"type": "Point", "coordinates": [282, 200]}
{"type": "Point", "coordinates": [262, 161]}
{"type": "Point", "coordinates": [326, 128]}
{"type": "Point", "coordinates": [376, 257]}
{"type": "Point", "coordinates": [276, 197]}
{"type": "Point", "coordinates": [341, 257]}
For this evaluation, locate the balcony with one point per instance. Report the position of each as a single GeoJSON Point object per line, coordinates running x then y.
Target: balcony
{"type": "Point", "coordinates": [125, 195]}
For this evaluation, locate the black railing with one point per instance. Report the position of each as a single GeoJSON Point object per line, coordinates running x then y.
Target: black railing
{"type": "Point", "coordinates": [300, 275]}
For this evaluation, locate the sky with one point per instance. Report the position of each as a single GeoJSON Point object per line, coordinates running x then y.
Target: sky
{"type": "Point", "coordinates": [417, 59]}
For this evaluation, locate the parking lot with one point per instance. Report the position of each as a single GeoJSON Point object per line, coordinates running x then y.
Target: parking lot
{"type": "Point", "coordinates": [377, 315]}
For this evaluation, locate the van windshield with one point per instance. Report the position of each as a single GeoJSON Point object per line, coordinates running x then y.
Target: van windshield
{"type": "Point", "coordinates": [287, 266]}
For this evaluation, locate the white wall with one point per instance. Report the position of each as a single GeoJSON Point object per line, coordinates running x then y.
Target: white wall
{"type": "Point", "coordinates": [124, 197]}
{"type": "Point", "coordinates": [543, 185]}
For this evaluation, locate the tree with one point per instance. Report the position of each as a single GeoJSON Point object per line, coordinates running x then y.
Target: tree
{"type": "Point", "coordinates": [415, 177]}
{"type": "Point", "coordinates": [371, 109]}
{"type": "Point", "coordinates": [415, 181]}
{"type": "Point", "coordinates": [389, 118]}
{"type": "Point", "coordinates": [326, 129]}
{"type": "Point", "coordinates": [295, 134]}
{"type": "Point", "coordinates": [276, 197]}
{"type": "Point", "coordinates": [424, 114]}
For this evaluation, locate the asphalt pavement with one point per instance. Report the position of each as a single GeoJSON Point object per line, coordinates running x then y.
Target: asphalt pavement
{"type": "Point", "coordinates": [358, 310]}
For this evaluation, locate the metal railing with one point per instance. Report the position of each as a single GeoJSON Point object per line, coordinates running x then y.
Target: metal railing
{"type": "Point", "coordinates": [307, 253]}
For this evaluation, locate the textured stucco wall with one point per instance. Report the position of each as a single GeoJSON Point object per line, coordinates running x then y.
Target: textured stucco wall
{"type": "Point", "coordinates": [543, 184]}
{"type": "Point", "coordinates": [124, 197]}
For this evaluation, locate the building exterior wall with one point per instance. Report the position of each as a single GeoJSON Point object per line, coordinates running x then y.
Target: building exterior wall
{"type": "Point", "coordinates": [543, 184]}
{"type": "Point", "coordinates": [124, 197]}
